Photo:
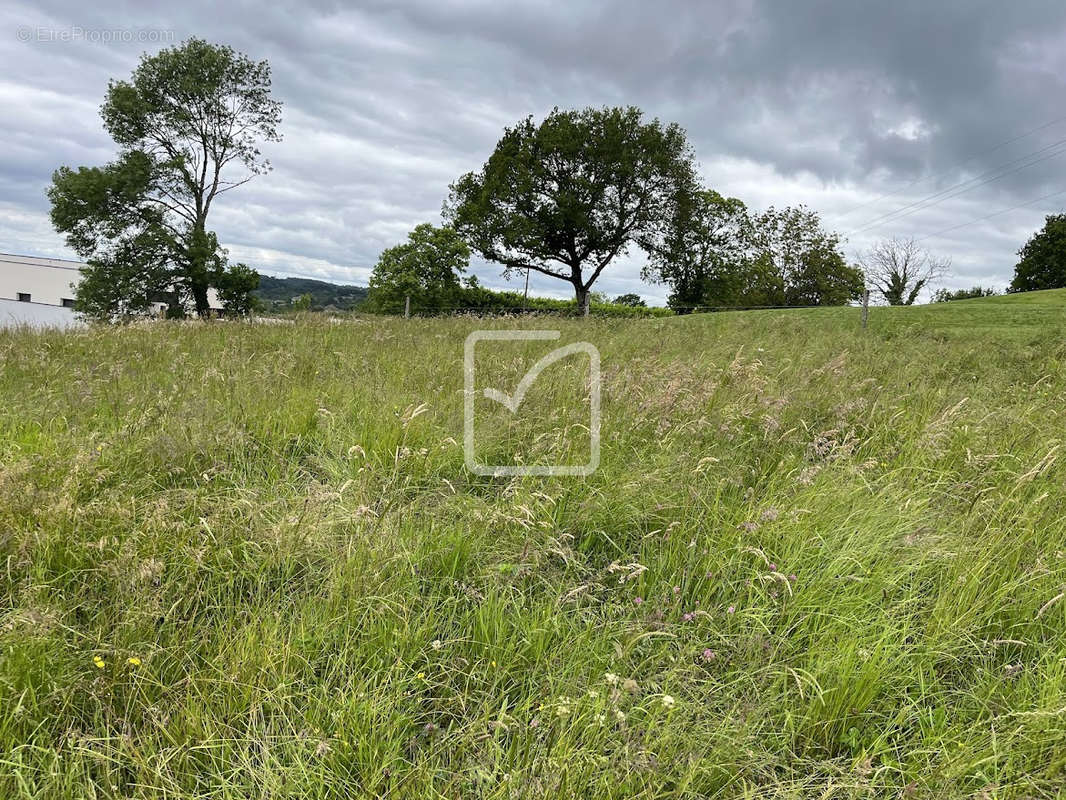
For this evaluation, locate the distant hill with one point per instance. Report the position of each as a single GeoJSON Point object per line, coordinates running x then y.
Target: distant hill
{"type": "Point", "coordinates": [279, 292]}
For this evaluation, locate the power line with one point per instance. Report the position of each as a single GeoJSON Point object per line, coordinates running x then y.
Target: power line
{"type": "Point", "coordinates": [983, 178]}
{"type": "Point", "coordinates": [966, 186]}
{"type": "Point", "coordinates": [994, 214]}
{"type": "Point", "coordinates": [955, 166]}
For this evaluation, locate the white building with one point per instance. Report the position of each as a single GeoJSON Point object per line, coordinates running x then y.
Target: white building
{"type": "Point", "coordinates": [49, 281]}
{"type": "Point", "coordinates": [37, 291]}
{"type": "Point", "coordinates": [40, 291]}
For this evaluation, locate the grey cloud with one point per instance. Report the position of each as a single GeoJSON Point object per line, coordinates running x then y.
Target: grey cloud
{"type": "Point", "coordinates": [829, 103]}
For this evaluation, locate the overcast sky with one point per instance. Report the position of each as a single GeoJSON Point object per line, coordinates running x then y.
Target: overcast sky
{"type": "Point", "coordinates": [832, 104]}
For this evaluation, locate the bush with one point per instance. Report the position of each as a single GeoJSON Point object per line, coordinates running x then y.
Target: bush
{"type": "Point", "coordinates": [479, 300]}
{"type": "Point", "coordinates": [945, 296]}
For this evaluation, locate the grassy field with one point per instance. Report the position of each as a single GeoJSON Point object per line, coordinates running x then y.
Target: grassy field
{"type": "Point", "coordinates": [246, 561]}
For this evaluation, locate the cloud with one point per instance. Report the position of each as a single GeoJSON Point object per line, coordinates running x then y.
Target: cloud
{"type": "Point", "coordinates": [854, 108]}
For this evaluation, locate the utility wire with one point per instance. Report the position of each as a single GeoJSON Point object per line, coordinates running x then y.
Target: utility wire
{"type": "Point", "coordinates": [964, 187]}
{"type": "Point", "coordinates": [955, 166]}
{"type": "Point", "coordinates": [994, 214]}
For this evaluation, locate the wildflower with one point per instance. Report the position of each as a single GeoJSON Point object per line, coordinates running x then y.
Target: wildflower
{"type": "Point", "coordinates": [668, 701]}
{"type": "Point", "coordinates": [133, 661]}
{"type": "Point", "coordinates": [792, 578]}
{"type": "Point", "coordinates": [773, 567]}
{"type": "Point", "coordinates": [631, 686]}
{"type": "Point", "coordinates": [601, 718]}
{"type": "Point", "coordinates": [687, 616]}
{"type": "Point", "coordinates": [492, 664]}
{"type": "Point", "coordinates": [677, 590]}
{"type": "Point", "coordinates": [562, 710]}
{"type": "Point", "coordinates": [533, 723]}
{"type": "Point", "coordinates": [638, 600]}
{"type": "Point", "coordinates": [99, 662]}
{"type": "Point", "coordinates": [731, 610]}
{"type": "Point", "coordinates": [421, 676]}
{"type": "Point", "coordinates": [620, 716]}
{"type": "Point", "coordinates": [436, 644]}
{"type": "Point", "coordinates": [593, 694]}
{"type": "Point", "coordinates": [611, 678]}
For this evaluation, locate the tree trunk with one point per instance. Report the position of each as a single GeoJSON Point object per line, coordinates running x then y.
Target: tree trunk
{"type": "Point", "coordinates": [199, 252]}
{"type": "Point", "coordinates": [199, 296]}
{"type": "Point", "coordinates": [581, 294]}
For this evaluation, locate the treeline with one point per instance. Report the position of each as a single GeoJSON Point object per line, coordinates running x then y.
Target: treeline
{"type": "Point", "coordinates": [715, 253]}
{"type": "Point", "coordinates": [427, 275]}
{"type": "Point", "coordinates": [568, 197]}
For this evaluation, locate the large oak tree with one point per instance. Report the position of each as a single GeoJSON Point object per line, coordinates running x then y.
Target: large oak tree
{"type": "Point", "coordinates": [566, 197]}
{"type": "Point", "coordinates": [188, 125]}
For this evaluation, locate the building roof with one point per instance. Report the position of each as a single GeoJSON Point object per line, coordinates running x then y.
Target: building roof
{"type": "Point", "coordinates": [41, 261]}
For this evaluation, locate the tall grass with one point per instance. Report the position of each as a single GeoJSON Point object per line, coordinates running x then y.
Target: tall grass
{"type": "Point", "coordinates": [247, 561]}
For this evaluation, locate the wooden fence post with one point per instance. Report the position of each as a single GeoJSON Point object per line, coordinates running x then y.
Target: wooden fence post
{"type": "Point", "coordinates": [865, 307]}
{"type": "Point", "coordinates": [407, 307]}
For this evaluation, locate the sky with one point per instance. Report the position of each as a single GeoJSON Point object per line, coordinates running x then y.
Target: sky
{"type": "Point", "coordinates": [908, 118]}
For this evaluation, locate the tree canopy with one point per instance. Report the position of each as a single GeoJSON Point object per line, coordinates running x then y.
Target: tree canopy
{"type": "Point", "coordinates": [188, 124]}
{"type": "Point", "coordinates": [803, 261]}
{"type": "Point", "coordinates": [699, 252]}
{"type": "Point", "coordinates": [1043, 258]}
{"type": "Point", "coordinates": [566, 197]}
{"type": "Point", "coordinates": [715, 254]}
{"type": "Point", "coordinates": [427, 268]}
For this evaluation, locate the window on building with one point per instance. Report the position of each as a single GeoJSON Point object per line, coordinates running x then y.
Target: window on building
{"type": "Point", "coordinates": [67, 302]}
{"type": "Point", "coordinates": [24, 297]}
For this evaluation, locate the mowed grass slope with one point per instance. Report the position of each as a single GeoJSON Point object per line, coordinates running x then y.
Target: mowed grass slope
{"type": "Point", "coordinates": [247, 561]}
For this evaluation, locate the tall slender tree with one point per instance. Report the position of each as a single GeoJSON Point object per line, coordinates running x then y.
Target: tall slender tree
{"type": "Point", "coordinates": [188, 124]}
